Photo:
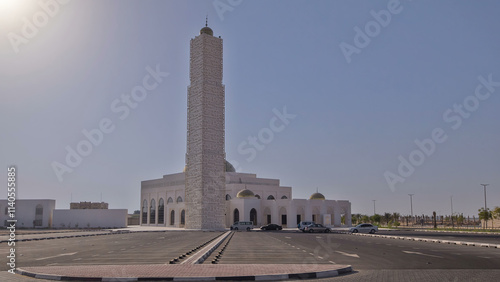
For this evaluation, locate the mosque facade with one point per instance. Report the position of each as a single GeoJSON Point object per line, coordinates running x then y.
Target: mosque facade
{"type": "Point", "coordinates": [209, 194]}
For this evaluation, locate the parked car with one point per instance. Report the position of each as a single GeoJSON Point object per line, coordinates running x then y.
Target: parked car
{"type": "Point", "coordinates": [316, 228]}
{"type": "Point", "coordinates": [364, 228]}
{"type": "Point", "coordinates": [242, 225]}
{"type": "Point", "coordinates": [303, 224]}
{"type": "Point", "coordinates": [271, 226]}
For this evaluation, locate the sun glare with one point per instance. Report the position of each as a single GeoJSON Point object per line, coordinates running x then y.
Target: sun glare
{"type": "Point", "coordinates": [12, 10]}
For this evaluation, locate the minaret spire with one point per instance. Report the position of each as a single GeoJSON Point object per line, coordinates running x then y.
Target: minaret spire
{"type": "Point", "coordinates": [206, 21]}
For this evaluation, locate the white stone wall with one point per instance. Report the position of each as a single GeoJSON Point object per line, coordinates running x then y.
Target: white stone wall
{"type": "Point", "coordinates": [26, 212]}
{"type": "Point", "coordinates": [205, 167]}
{"type": "Point", "coordinates": [105, 218]}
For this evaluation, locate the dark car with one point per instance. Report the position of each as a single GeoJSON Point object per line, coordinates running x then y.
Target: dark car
{"type": "Point", "coordinates": [271, 226]}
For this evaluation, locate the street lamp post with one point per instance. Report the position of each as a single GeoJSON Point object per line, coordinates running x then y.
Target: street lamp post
{"type": "Point", "coordinates": [452, 224]}
{"type": "Point", "coordinates": [411, 206]}
{"type": "Point", "coordinates": [374, 207]}
{"type": "Point", "coordinates": [485, 209]}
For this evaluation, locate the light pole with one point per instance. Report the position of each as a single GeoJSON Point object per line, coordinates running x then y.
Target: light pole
{"type": "Point", "coordinates": [374, 207]}
{"type": "Point", "coordinates": [411, 206]}
{"type": "Point", "coordinates": [485, 210]}
{"type": "Point", "coordinates": [452, 224]}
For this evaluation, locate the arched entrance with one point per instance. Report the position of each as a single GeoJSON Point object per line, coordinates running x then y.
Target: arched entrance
{"type": "Point", "coordinates": [236, 215]}
{"type": "Point", "coordinates": [152, 212]}
{"type": "Point", "coordinates": [283, 216]}
{"type": "Point", "coordinates": [253, 216]}
{"type": "Point", "coordinates": [183, 217]}
{"type": "Point", "coordinates": [144, 212]}
{"type": "Point", "coordinates": [161, 211]}
{"type": "Point", "coordinates": [39, 215]}
{"type": "Point", "coordinates": [172, 217]}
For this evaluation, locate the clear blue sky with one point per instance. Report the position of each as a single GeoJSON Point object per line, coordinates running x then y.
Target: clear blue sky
{"type": "Point", "coordinates": [61, 72]}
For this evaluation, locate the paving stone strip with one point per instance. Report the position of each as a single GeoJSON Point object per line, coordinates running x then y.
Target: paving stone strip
{"type": "Point", "coordinates": [201, 255]}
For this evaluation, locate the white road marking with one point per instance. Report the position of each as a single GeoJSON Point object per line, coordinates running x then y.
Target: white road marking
{"type": "Point", "coordinates": [56, 256]}
{"type": "Point", "coordinates": [418, 253]}
{"type": "Point", "coordinates": [347, 254]}
{"type": "Point", "coordinates": [331, 262]}
{"type": "Point", "coordinates": [311, 254]}
{"type": "Point", "coordinates": [304, 251]}
{"type": "Point", "coordinates": [288, 237]}
{"type": "Point", "coordinates": [484, 257]}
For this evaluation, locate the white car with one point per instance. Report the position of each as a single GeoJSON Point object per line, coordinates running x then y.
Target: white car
{"type": "Point", "coordinates": [364, 228]}
{"type": "Point", "coordinates": [242, 225]}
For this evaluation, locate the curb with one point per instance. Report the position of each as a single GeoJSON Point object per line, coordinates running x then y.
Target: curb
{"type": "Point", "coordinates": [272, 277]}
{"type": "Point", "coordinates": [495, 246]}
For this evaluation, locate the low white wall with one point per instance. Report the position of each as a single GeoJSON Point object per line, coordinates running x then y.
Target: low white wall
{"type": "Point", "coordinates": [105, 218]}
{"type": "Point", "coordinates": [25, 212]}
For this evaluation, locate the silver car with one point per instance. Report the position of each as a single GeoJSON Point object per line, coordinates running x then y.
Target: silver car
{"type": "Point", "coordinates": [316, 228]}
{"type": "Point", "coordinates": [364, 228]}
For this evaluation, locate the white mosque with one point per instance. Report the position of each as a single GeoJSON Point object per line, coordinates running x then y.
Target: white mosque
{"type": "Point", "coordinates": [209, 194]}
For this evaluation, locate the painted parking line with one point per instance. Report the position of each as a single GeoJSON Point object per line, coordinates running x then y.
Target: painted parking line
{"type": "Point", "coordinates": [347, 254]}
{"type": "Point", "coordinates": [421, 254]}
{"type": "Point", "coordinates": [56, 256]}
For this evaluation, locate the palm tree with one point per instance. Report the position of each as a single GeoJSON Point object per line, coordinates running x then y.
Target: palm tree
{"type": "Point", "coordinates": [395, 218]}
{"type": "Point", "coordinates": [387, 217]}
{"type": "Point", "coordinates": [485, 214]}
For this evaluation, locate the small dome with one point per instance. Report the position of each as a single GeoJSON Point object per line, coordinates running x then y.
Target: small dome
{"type": "Point", "coordinates": [207, 30]}
{"type": "Point", "coordinates": [317, 196]}
{"type": "Point", "coordinates": [229, 167]}
{"type": "Point", "coordinates": [245, 193]}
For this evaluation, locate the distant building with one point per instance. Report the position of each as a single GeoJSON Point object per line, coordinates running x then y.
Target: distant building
{"type": "Point", "coordinates": [33, 213]}
{"type": "Point", "coordinates": [89, 205]}
{"type": "Point", "coordinates": [41, 213]}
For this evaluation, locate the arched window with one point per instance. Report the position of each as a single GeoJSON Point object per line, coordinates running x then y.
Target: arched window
{"type": "Point", "coordinates": [145, 212]}
{"type": "Point", "coordinates": [183, 217]}
{"type": "Point", "coordinates": [236, 215]}
{"type": "Point", "coordinates": [161, 211]}
{"type": "Point", "coordinates": [172, 217]}
{"type": "Point", "coordinates": [39, 215]}
{"type": "Point", "coordinates": [170, 200]}
{"type": "Point", "coordinates": [228, 197]}
{"type": "Point", "coordinates": [152, 213]}
{"type": "Point", "coordinates": [271, 197]}
{"type": "Point", "coordinates": [179, 199]}
{"type": "Point", "coordinates": [284, 197]}
{"type": "Point", "coordinates": [257, 196]}
{"type": "Point", "coordinates": [253, 216]}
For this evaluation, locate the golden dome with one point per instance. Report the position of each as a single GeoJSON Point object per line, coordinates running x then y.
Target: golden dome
{"type": "Point", "coordinates": [317, 196]}
{"type": "Point", "coordinates": [207, 30]}
{"type": "Point", "coordinates": [245, 193]}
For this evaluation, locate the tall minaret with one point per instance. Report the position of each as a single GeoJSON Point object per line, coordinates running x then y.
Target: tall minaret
{"type": "Point", "coordinates": [205, 166]}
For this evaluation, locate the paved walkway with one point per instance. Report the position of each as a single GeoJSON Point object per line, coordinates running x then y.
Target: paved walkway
{"type": "Point", "coordinates": [179, 272]}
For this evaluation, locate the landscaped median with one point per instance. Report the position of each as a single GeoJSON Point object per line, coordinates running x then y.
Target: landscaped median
{"type": "Point", "coordinates": [476, 244]}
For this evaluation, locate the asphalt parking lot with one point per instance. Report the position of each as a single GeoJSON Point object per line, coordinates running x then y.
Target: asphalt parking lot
{"type": "Point", "coordinates": [127, 248]}
{"type": "Point", "coordinates": [372, 258]}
